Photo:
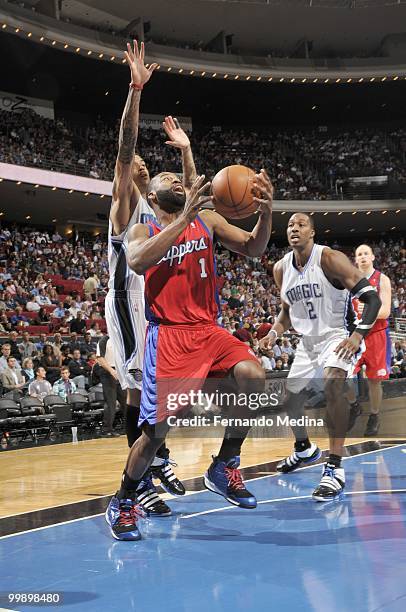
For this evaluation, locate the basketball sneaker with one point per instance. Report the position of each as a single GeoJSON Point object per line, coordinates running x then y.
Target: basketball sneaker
{"type": "Point", "coordinates": [331, 485]}
{"type": "Point", "coordinates": [372, 427]}
{"type": "Point", "coordinates": [299, 459]}
{"type": "Point", "coordinates": [122, 517]}
{"type": "Point", "coordinates": [162, 470]}
{"type": "Point", "coordinates": [149, 499]}
{"type": "Point", "coordinates": [225, 479]}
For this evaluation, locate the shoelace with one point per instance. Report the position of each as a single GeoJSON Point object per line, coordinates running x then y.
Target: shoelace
{"type": "Point", "coordinates": [234, 478]}
{"type": "Point", "coordinates": [129, 514]}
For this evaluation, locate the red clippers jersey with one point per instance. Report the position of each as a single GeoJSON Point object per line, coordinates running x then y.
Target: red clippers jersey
{"type": "Point", "coordinates": [374, 280]}
{"type": "Point", "coordinates": [181, 288]}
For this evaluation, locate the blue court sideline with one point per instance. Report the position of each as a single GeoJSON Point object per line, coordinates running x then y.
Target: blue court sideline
{"type": "Point", "coordinates": [289, 554]}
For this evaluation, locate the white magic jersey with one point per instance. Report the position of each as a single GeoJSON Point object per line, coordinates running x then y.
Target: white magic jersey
{"type": "Point", "coordinates": [122, 278]}
{"type": "Point", "coordinates": [316, 307]}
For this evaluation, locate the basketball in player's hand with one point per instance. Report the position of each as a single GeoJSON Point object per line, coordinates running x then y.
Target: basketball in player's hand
{"type": "Point", "coordinates": [233, 192]}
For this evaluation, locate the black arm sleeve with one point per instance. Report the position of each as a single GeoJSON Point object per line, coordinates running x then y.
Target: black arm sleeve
{"type": "Point", "coordinates": [366, 294]}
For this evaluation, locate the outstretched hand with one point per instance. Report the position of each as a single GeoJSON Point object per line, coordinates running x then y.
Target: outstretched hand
{"type": "Point", "coordinates": [196, 198]}
{"type": "Point", "coordinates": [177, 137]}
{"type": "Point", "coordinates": [264, 191]}
{"type": "Point", "coordinates": [140, 74]}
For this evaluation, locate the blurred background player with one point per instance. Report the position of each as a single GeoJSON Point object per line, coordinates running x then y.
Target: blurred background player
{"type": "Point", "coordinates": [315, 284]}
{"type": "Point", "coordinates": [184, 341]}
{"type": "Point", "coordinates": [377, 355]}
{"type": "Point", "coordinates": [125, 309]}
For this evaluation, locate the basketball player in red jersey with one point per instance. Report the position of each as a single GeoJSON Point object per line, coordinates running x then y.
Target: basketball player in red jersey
{"type": "Point", "coordinates": [176, 255]}
{"type": "Point", "coordinates": [377, 353]}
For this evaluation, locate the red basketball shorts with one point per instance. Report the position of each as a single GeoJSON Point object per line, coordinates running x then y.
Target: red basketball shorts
{"type": "Point", "coordinates": [377, 355]}
{"type": "Point", "coordinates": [179, 358]}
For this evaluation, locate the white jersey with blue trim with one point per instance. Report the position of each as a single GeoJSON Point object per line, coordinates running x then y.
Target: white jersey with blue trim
{"type": "Point", "coordinates": [317, 308]}
{"type": "Point", "coordinates": [121, 277]}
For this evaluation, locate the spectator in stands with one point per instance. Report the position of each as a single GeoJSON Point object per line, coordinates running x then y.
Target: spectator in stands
{"type": "Point", "coordinates": [59, 311]}
{"type": "Point", "coordinates": [27, 369]}
{"type": "Point", "coordinates": [32, 305]}
{"type": "Point", "coordinates": [268, 360]}
{"type": "Point", "coordinates": [79, 369]}
{"type": "Point", "coordinates": [95, 330]}
{"type": "Point", "coordinates": [278, 365]}
{"type": "Point", "coordinates": [91, 285]}
{"type": "Point", "coordinates": [6, 326]}
{"type": "Point", "coordinates": [277, 348]}
{"type": "Point", "coordinates": [41, 342]}
{"type": "Point", "coordinates": [78, 324]}
{"type": "Point", "coordinates": [88, 345]}
{"type": "Point", "coordinates": [18, 319]}
{"type": "Point", "coordinates": [57, 344]}
{"type": "Point", "coordinates": [74, 342]}
{"type": "Point", "coordinates": [12, 341]}
{"type": "Point", "coordinates": [50, 362]}
{"type": "Point", "coordinates": [66, 354]}
{"type": "Point", "coordinates": [285, 361]}
{"type": "Point", "coordinates": [286, 347]}
{"type": "Point", "coordinates": [64, 386]}
{"type": "Point", "coordinates": [11, 376]}
{"type": "Point", "coordinates": [242, 333]}
{"type": "Point", "coordinates": [43, 316]}
{"type": "Point", "coordinates": [27, 348]}
{"type": "Point", "coordinates": [40, 387]}
{"type": "Point", "coordinates": [42, 299]}
{"type": "Point", "coordinates": [112, 391]}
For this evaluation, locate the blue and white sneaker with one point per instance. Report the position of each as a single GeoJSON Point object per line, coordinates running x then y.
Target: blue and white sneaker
{"type": "Point", "coordinates": [299, 459]}
{"type": "Point", "coordinates": [224, 478]}
{"type": "Point", "coordinates": [331, 485]}
{"type": "Point", "coordinates": [122, 517]}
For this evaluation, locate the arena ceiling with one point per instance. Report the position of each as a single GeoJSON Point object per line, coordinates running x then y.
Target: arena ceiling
{"type": "Point", "coordinates": [257, 26]}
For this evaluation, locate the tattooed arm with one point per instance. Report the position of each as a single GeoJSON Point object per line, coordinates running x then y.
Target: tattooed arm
{"type": "Point", "coordinates": [125, 192]}
{"type": "Point", "coordinates": [179, 139]}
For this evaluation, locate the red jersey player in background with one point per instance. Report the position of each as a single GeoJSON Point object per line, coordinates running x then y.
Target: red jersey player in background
{"type": "Point", "coordinates": [184, 341]}
{"type": "Point", "coordinates": [377, 355]}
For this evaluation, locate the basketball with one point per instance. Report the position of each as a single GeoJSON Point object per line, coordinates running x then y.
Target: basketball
{"type": "Point", "coordinates": [233, 192]}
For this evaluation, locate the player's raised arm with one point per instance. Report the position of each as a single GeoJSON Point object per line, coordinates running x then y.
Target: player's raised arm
{"type": "Point", "coordinates": [180, 140]}
{"type": "Point", "coordinates": [283, 322]}
{"type": "Point", "coordinates": [339, 270]}
{"type": "Point", "coordinates": [250, 244]}
{"type": "Point", "coordinates": [123, 184]}
{"type": "Point", "coordinates": [144, 251]}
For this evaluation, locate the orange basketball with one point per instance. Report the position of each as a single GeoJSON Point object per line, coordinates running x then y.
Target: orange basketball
{"type": "Point", "coordinates": [233, 192]}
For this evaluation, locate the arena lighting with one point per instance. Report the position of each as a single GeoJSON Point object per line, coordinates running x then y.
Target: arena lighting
{"type": "Point", "coordinates": [326, 80]}
{"type": "Point", "coordinates": [87, 193]}
{"type": "Point", "coordinates": [394, 227]}
{"type": "Point", "coordinates": [54, 220]}
{"type": "Point", "coordinates": [304, 80]}
{"type": "Point", "coordinates": [395, 78]}
{"type": "Point", "coordinates": [123, 61]}
{"type": "Point", "coordinates": [259, 78]}
{"type": "Point", "coordinates": [354, 212]}
{"type": "Point", "coordinates": [102, 195]}
{"type": "Point", "coordinates": [28, 217]}
{"type": "Point", "coordinates": [281, 79]}
{"type": "Point", "coordinates": [159, 65]}
{"type": "Point", "coordinates": [292, 80]}
{"type": "Point", "coordinates": [192, 72]}
{"type": "Point", "coordinates": [383, 79]}
{"type": "Point", "coordinates": [283, 212]}
{"type": "Point", "coordinates": [41, 39]}
{"type": "Point", "coordinates": [360, 80]}
{"type": "Point", "coordinates": [53, 188]}
{"type": "Point", "coordinates": [4, 26]}
{"type": "Point", "coordinates": [340, 213]}
{"type": "Point", "coordinates": [325, 214]}
{"type": "Point", "coordinates": [101, 55]}
{"type": "Point", "coordinates": [203, 73]}
{"type": "Point", "coordinates": [65, 46]}
{"type": "Point", "coordinates": [349, 80]}
{"type": "Point", "coordinates": [370, 229]}
{"type": "Point", "coordinates": [397, 211]}
{"type": "Point", "coordinates": [369, 212]}
{"type": "Point", "coordinates": [327, 231]}
{"type": "Point", "coordinates": [338, 80]}
{"type": "Point", "coordinates": [214, 74]}
{"type": "Point", "coordinates": [18, 182]}
{"type": "Point", "coordinates": [384, 212]}
{"type": "Point", "coordinates": [36, 186]}
{"type": "Point", "coordinates": [170, 68]}
{"type": "Point", "coordinates": [180, 70]}
{"type": "Point", "coordinates": [270, 79]}
{"type": "Point", "coordinates": [315, 80]}
{"type": "Point", "coordinates": [113, 57]}
{"type": "Point", "coordinates": [1, 180]}
{"type": "Point", "coordinates": [312, 213]}
{"type": "Point", "coordinates": [70, 191]}
{"type": "Point", "coordinates": [225, 76]}
{"type": "Point", "coordinates": [373, 79]}
{"type": "Point", "coordinates": [89, 52]}
{"type": "Point", "coordinates": [237, 76]}
{"type": "Point", "coordinates": [352, 230]}
{"type": "Point", "coordinates": [1, 214]}
{"type": "Point", "coordinates": [29, 34]}
{"type": "Point", "coordinates": [54, 42]}
{"type": "Point", "coordinates": [17, 30]}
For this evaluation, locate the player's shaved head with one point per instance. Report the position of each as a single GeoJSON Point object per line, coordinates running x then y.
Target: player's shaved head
{"type": "Point", "coordinates": [300, 230]}
{"type": "Point", "coordinates": [363, 247]}
{"type": "Point", "coordinates": [306, 215]}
